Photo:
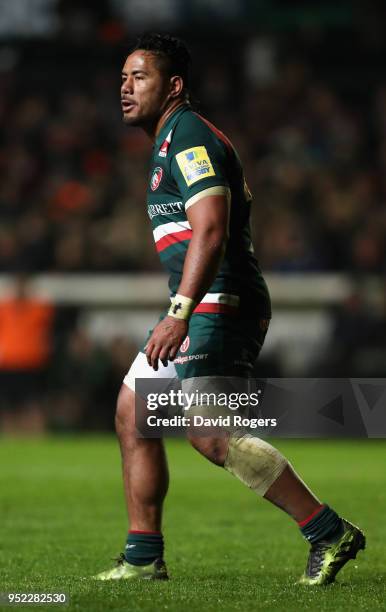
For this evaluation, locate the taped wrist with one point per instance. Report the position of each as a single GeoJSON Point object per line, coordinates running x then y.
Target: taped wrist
{"type": "Point", "coordinates": [181, 307]}
{"type": "Point", "coordinates": [253, 461]}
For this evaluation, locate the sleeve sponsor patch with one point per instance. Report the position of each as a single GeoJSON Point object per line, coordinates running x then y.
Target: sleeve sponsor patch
{"type": "Point", "coordinates": [195, 164]}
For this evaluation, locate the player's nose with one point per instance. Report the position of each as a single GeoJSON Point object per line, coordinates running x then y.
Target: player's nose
{"type": "Point", "coordinates": [127, 86]}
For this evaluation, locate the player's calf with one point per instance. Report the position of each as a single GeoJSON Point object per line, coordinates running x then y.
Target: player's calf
{"type": "Point", "coordinates": [145, 471]}
{"type": "Point", "coordinates": [145, 478]}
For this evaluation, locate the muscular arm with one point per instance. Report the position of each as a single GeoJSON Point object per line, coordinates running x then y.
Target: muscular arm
{"type": "Point", "coordinates": [209, 220]}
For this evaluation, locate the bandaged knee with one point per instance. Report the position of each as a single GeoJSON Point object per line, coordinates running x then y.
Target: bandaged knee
{"type": "Point", "coordinates": [252, 460]}
{"type": "Point", "coordinates": [255, 462]}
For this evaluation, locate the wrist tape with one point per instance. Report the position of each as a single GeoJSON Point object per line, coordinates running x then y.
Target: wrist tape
{"type": "Point", "coordinates": [181, 307]}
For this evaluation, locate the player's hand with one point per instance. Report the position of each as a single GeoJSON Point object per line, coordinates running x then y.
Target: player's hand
{"type": "Point", "coordinates": [165, 341]}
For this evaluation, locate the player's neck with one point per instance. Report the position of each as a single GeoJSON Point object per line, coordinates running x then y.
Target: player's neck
{"type": "Point", "coordinates": [154, 130]}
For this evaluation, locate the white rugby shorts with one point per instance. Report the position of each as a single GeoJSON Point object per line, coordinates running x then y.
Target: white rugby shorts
{"type": "Point", "coordinates": [141, 369]}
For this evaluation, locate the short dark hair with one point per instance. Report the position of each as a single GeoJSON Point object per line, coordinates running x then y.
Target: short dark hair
{"type": "Point", "coordinates": [171, 50]}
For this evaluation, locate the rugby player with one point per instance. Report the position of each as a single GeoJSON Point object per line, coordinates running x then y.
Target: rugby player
{"type": "Point", "coordinates": [199, 206]}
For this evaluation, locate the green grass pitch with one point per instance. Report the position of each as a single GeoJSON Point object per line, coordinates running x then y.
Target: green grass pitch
{"type": "Point", "coordinates": [63, 519]}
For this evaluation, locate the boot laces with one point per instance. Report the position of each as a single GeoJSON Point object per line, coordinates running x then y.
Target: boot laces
{"type": "Point", "coordinates": [316, 557]}
{"type": "Point", "coordinates": [120, 560]}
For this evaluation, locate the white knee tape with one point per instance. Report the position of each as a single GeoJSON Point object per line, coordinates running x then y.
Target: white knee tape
{"type": "Point", "coordinates": [255, 462]}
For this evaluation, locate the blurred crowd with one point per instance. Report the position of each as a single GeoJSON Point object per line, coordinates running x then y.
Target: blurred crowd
{"type": "Point", "coordinates": [53, 374]}
{"type": "Point", "coordinates": [73, 178]}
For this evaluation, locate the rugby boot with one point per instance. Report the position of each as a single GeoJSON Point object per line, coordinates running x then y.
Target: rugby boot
{"type": "Point", "coordinates": [326, 558]}
{"type": "Point", "coordinates": [125, 571]}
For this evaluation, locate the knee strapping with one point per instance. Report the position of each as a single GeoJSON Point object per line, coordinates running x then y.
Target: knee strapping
{"type": "Point", "coordinates": [253, 461]}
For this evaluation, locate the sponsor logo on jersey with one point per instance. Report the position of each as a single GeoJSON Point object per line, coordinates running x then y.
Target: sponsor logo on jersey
{"type": "Point", "coordinates": [186, 358]}
{"type": "Point", "coordinates": [195, 164]}
{"type": "Point", "coordinates": [170, 208]}
{"type": "Point", "coordinates": [156, 178]}
{"type": "Point", "coordinates": [165, 145]}
{"type": "Point", "coordinates": [185, 345]}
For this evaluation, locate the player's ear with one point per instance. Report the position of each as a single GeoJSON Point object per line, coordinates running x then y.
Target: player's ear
{"type": "Point", "coordinates": [176, 86]}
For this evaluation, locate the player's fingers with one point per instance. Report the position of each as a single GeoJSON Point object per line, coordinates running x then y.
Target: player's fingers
{"type": "Point", "coordinates": [164, 355]}
{"type": "Point", "coordinates": [154, 358]}
{"type": "Point", "coordinates": [149, 349]}
{"type": "Point", "coordinates": [149, 344]}
{"type": "Point", "coordinates": [173, 351]}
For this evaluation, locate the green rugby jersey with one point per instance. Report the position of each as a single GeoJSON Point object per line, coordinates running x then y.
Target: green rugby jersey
{"type": "Point", "coordinates": [192, 159]}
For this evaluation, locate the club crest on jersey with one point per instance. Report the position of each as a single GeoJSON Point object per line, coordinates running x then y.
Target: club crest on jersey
{"type": "Point", "coordinates": [165, 145]}
{"type": "Point", "coordinates": [156, 178]}
{"type": "Point", "coordinates": [195, 164]}
{"type": "Point", "coordinates": [185, 345]}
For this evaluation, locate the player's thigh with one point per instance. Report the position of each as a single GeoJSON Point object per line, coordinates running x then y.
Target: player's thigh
{"type": "Point", "coordinates": [130, 404]}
